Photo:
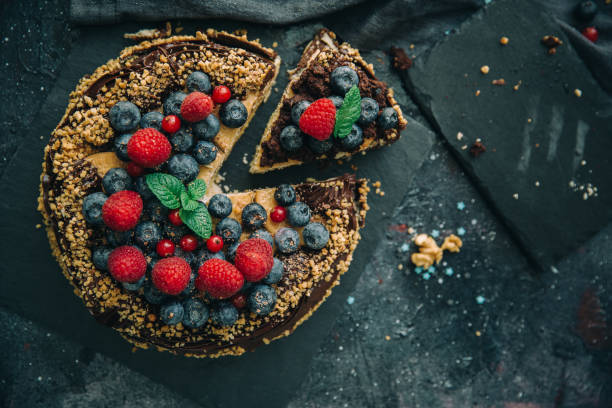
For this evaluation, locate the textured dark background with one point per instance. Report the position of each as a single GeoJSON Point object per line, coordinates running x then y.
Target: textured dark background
{"type": "Point", "coordinates": [537, 340]}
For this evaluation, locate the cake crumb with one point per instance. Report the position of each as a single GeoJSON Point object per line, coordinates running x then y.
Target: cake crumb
{"type": "Point", "coordinates": [477, 92]}
{"type": "Point", "coordinates": [578, 93]}
{"type": "Point", "coordinates": [504, 40]}
{"type": "Point", "coordinates": [353, 167]}
{"type": "Point", "coordinates": [500, 81]}
{"type": "Point", "coordinates": [38, 226]}
{"type": "Point", "coordinates": [484, 69]}
{"type": "Point", "coordinates": [459, 135]}
{"type": "Point", "coordinates": [387, 337]}
{"type": "Point", "coordinates": [400, 267]}
{"type": "Point", "coordinates": [275, 44]}
{"type": "Point", "coordinates": [515, 196]}
{"type": "Point", "coordinates": [477, 148]}
{"type": "Point", "coordinates": [518, 85]}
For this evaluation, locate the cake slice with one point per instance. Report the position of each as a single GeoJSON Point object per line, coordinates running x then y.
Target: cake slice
{"type": "Point", "coordinates": [312, 80]}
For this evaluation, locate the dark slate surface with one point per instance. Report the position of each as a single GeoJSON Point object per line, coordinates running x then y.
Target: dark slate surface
{"type": "Point", "coordinates": [51, 302]}
{"type": "Point", "coordinates": [538, 138]}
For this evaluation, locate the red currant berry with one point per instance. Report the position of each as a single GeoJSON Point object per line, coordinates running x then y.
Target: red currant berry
{"type": "Point", "coordinates": [214, 243]}
{"type": "Point", "coordinates": [189, 243]}
{"type": "Point", "coordinates": [175, 218]}
{"type": "Point", "coordinates": [165, 247]}
{"type": "Point", "coordinates": [171, 123]}
{"type": "Point", "coordinates": [278, 214]}
{"type": "Point", "coordinates": [239, 300]}
{"type": "Point", "coordinates": [591, 34]}
{"type": "Point", "coordinates": [221, 94]}
{"type": "Point", "coordinates": [134, 170]}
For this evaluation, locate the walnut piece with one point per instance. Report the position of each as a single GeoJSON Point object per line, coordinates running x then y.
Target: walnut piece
{"type": "Point", "coordinates": [430, 253]}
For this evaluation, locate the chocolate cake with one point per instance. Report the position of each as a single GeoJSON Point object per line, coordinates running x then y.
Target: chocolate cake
{"type": "Point", "coordinates": [116, 185]}
{"type": "Point", "coordinates": [313, 79]}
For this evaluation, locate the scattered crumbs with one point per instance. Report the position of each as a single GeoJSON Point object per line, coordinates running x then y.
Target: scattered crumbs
{"type": "Point", "coordinates": [411, 230]}
{"type": "Point", "coordinates": [461, 206]}
{"type": "Point", "coordinates": [459, 135]}
{"type": "Point", "coordinates": [449, 271]}
{"type": "Point", "coordinates": [41, 138]}
{"type": "Point", "coordinates": [245, 158]}
{"type": "Point", "coordinates": [477, 92]}
{"type": "Point", "coordinates": [477, 148]}
{"type": "Point", "coordinates": [480, 299]}
{"type": "Point", "coordinates": [478, 333]}
{"type": "Point", "coordinates": [418, 270]}
{"type": "Point", "coordinates": [515, 196]}
{"type": "Point", "coordinates": [400, 267]}
{"type": "Point", "coordinates": [500, 81]}
{"type": "Point", "coordinates": [504, 40]}
{"type": "Point", "coordinates": [464, 147]}
{"type": "Point", "coordinates": [461, 231]}
{"type": "Point", "coordinates": [551, 42]}
{"type": "Point", "coordinates": [588, 190]}
{"type": "Point", "coordinates": [38, 226]}
{"type": "Point", "coordinates": [387, 337]}
{"type": "Point", "coordinates": [537, 183]}
{"type": "Point", "coordinates": [353, 167]}
{"type": "Point", "coordinates": [485, 69]}
{"type": "Point", "coordinates": [518, 85]}
{"type": "Point", "coordinates": [275, 44]}
{"type": "Point", "coordinates": [578, 93]}
{"type": "Point", "coordinates": [572, 183]}
{"type": "Point", "coordinates": [529, 120]}
{"type": "Point", "coordinates": [426, 276]}
{"type": "Point", "coordinates": [350, 300]}
{"type": "Point", "coordinates": [435, 233]}
{"type": "Point", "coordinates": [411, 46]}
{"type": "Point", "coordinates": [376, 184]}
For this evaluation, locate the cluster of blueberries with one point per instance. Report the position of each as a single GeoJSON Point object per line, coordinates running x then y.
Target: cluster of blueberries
{"type": "Point", "coordinates": [342, 79]}
{"type": "Point", "coordinates": [192, 143]}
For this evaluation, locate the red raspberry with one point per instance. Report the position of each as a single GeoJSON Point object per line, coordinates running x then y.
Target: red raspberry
{"type": "Point", "coordinates": [221, 94]}
{"type": "Point", "coordinates": [171, 123]}
{"type": "Point", "coordinates": [175, 217]}
{"type": "Point", "coordinates": [149, 147]}
{"type": "Point", "coordinates": [214, 243]}
{"type": "Point", "coordinates": [219, 278]}
{"type": "Point", "coordinates": [127, 264]}
{"type": "Point", "coordinates": [165, 248]}
{"type": "Point", "coordinates": [278, 214]}
{"type": "Point", "coordinates": [171, 275]}
{"type": "Point", "coordinates": [239, 300]}
{"type": "Point", "coordinates": [134, 170]}
{"type": "Point", "coordinates": [122, 210]}
{"type": "Point", "coordinates": [189, 242]}
{"type": "Point", "coordinates": [318, 119]}
{"type": "Point", "coordinates": [196, 106]}
{"type": "Point", "coordinates": [591, 34]}
{"type": "Point", "coordinates": [254, 259]}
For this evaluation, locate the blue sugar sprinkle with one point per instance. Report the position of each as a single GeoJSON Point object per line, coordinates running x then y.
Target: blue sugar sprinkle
{"type": "Point", "coordinates": [418, 269]}
{"type": "Point", "coordinates": [350, 300]}
{"type": "Point", "coordinates": [426, 276]}
{"type": "Point", "coordinates": [447, 32]}
{"type": "Point", "coordinates": [405, 247]}
{"type": "Point", "coordinates": [435, 233]}
{"type": "Point", "coordinates": [449, 271]}
{"type": "Point", "coordinates": [460, 205]}
{"type": "Point", "coordinates": [488, 1]}
{"type": "Point", "coordinates": [460, 231]}
{"type": "Point", "coordinates": [480, 299]}
{"type": "Point", "coordinates": [431, 269]}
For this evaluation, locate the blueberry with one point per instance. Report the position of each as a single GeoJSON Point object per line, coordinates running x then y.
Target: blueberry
{"type": "Point", "coordinates": [319, 146]}
{"type": "Point", "coordinates": [205, 152]}
{"type": "Point", "coordinates": [285, 195]}
{"type": "Point", "coordinates": [124, 116]}
{"type": "Point", "coordinates": [315, 235]}
{"type": "Point", "coordinates": [120, 144]}
{"type": "Point", "coordinates": [233, 113]}
{"type": "Point", "coordinates": [263, 234]}
{"type": "Point", "coordinates": [229, 229]}
{"type": "Point", "coordinates": [182, 140]}
{"type": "Point", "coordinates": [231, 252]}
{"type": "Point", "coordinates": [369, 111]}
{"type": "Point", "coordinates": [224, 314]}
{"type": "Point", "coordinates": [92, 208]}
{"type": "Point", "coordinates": [196, 313]}
{"type": "Point", "coordinates": [99, 256]}
{"type": "Point", "coordinates": [188, 256]}
{"type": "Point", "coordinates": [298, 214]}
{"type": "Point", "coordinates": [388, 118]}
{"type": "Point", "coordinates": [155, 211]}
{"type": "Point", "coordinates": [287, 240]}
{"type": "Point", "coordinates": [134, 286]}
{"type": "Point", "coordinates": [220, 206]}
{"type": "Point", "coordinates": [276, 273]}
{"type": "Point", "coordinates": [171, 312]}
{"type": "Point", "coordinates": [172, 105]}
{"type": "Point", "coordinates": [336, 100]}
{"type": "Point", "coordinates": [261, 300]}
{"type": "Point", "coordinates": [143, 189]}
{"type": "Point", "coordinates": [206, 129]}
{"type": "Point", "coordinates": [152, 294]}
{"type": "Point", "coordinates": [183, 167]}
{"type": "Point", "coordinates": [297, 109]}
{"type": "Point", "coordinates": [254, 216]}
{"type": "Point", "coordinates": [353, 140]}
{"type": "Point", "coordinates": [118, 238]}
{"type": "Point", "coordinates": [117, 179]}
{"type": "Point", "coordinates": [198, 81]}
{"type": "Point", "coordinates": [585, 10]}
{"type": "Point", "coordinates": [342, 79]}
{"type": "Point", "coordinates": [147, 235]}
{"type": "Point", "coordinates": [152, 120]}
{"type": "Point", "coordinates": [190, 286]}
{"type": "Point", "coordinates": [291, 138]}
{"type": "Point", "coordinates": [204, 255]}
{"type": "Point", "coordinates": [175, 232]}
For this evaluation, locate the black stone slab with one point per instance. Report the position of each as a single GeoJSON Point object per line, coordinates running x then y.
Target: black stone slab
{"type": "Point", "coordinates": [539, 138]}
{"type": "Point", "coordinates": [33, 285]}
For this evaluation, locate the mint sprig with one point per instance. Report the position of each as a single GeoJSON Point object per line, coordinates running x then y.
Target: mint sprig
{"type": "Point", "coordinates": [348, 113]}
{"type": "Point", "coordinates": [172, 193]}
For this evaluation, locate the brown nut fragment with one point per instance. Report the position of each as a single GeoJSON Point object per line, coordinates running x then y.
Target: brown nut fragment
{"type": "Point", "coordinates": [452, 243]}
{"type": "Point", "coordinates": [500, 81]}
{"type": "Point", "coordinates": [551, 41]}
{"type": "Point", "coordinates": [430, 253]}
{"type": "Point", "coordinates": [477, 149]}
{"type": "Point", "coordinates": [419, 259]}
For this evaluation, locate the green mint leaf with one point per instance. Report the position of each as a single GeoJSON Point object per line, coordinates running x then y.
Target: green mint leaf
{"type": "Point", "coordinates": [166, 188]}
{"type": "Point", "coordinates": [184, 198]}
{"type": "Point", "coordinates": [348, 113]}
{"type": "Point", "coordinates": [196, 189]}
{"type": "Point", "coordinates": [197, 220]}
{"type": "Point", "coordinates": [191, 205]}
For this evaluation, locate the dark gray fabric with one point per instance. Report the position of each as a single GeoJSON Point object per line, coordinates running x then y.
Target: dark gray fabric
{"type": "Point", "coordinates": [366, 24]}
